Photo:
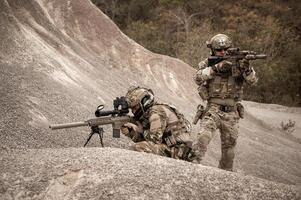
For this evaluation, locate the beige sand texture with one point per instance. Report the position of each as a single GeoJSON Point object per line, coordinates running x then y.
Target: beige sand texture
{"type": "Point", "coordinates": [59, 59]}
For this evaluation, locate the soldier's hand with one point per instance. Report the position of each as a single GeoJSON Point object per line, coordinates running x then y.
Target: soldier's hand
{"type": "Point", "coordinates": [245, 64]}
{"type": "Point", "coordinates": [246, 67]}
{"type": "Point", "coordinates": [224, 66]}
{"type": "Point", "coordinates": [134, 127]}
{"type": "Point", "coordinates": [125, 130]}
{"type": "Point", "coordinates": [205, 74]}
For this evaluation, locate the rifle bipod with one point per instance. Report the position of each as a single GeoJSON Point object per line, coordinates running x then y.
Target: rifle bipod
{"type": "Point", "coordinates": [95, 130]}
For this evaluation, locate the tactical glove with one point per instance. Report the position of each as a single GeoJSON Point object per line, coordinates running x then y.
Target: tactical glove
{"type": "Point", "coordinates": [222, 67]}
{"type": "Point", "coordinates": [246, 67]}
{"type": "Point", "coordinates": [207, 71]}
{"type": "Point", "coordinates": [245, 64]}
{"type": "Point", "coordinates": [125, 130]}
{"type": "Point", "coordinates": [128, 127]}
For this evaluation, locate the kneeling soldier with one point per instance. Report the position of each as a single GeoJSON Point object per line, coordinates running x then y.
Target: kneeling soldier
{"type": "Point", "coordinates": [159, 129]}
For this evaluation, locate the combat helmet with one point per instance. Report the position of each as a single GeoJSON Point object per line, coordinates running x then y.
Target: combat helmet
{"type": "Point", "coordinates": [139, 96]}
{"type": "Point", "coordinates": [219, 41]}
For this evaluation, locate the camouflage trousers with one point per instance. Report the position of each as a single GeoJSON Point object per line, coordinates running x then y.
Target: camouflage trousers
{"type": "Point", "coordinates": [227, 123]}
{"type": "Point", "coordinates": [179, 151]}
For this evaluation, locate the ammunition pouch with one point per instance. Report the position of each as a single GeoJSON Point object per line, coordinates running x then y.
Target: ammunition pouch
{"type": "Point", "coordinates": [170, 141]}
{"type": "Point", "coordinates": [179, 148]}
{"type": "Point", "coordinates": [226, 87]}
{"type": "Point", "coordinates": [241, 110]}
{"type": "Point", "coordinates": [184, 151]}
{"type": "Point", "coordinates": [180, 151]}
{"type": "Point", "coordinates": [178, 127]}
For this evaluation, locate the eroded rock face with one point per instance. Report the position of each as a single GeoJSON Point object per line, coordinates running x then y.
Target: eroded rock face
{"type": "Point", "coordinates": [58, 61]}
{"type": "Point", "coordinates": [109, 173]}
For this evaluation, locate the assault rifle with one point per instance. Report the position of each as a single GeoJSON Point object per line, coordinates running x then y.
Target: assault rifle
{"type": "Point", "coordinates": [236, 55]}
{"type": "Point", "coordinates": [116, 117]}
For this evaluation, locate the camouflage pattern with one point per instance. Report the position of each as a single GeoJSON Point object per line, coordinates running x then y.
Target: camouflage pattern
{"type": "Point", "coordinates": [163, 131]}
{"type": "Point", "coordinates": [223, 111]}
{"type": "Point", "coordinates": [163, 134]}
{"type": "Point", "coordinates": [135, 95]}
{"type": "Point", "coordinates": [219, 41]}
{"type": "Point", "coordinates": [222, 85]}
{"type": "Point", "coordinates": [227, 123]}
{"type": "Point", "coordinates": [151, 147]}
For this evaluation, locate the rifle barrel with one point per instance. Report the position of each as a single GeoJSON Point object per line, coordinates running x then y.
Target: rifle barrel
{"type": "Point", "coordinates": [261, 56]}
{"type": "Point", "coordinates": [68, 125]}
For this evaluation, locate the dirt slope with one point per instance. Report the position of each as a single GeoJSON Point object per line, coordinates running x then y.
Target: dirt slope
{"type": "Point", "coordinates": [111, 173]}
{"type": "Point", "coordinates": [60, 59]}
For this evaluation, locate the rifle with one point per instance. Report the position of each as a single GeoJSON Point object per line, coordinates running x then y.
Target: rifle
{"type": "Point", "coordinates": [235, 54]}
{"type": "Point", "coordinates": [116, 117]}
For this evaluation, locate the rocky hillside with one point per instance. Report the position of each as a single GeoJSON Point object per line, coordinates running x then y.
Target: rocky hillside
{"type": "Point", "coordinates": [58, 61]}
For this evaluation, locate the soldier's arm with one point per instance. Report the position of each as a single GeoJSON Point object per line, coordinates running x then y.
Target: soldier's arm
{"type": "Point", "coordinates": [203, 64]}
{"type": "Point", "coordinates": [250, 76]}
{"type": "Point", "coordinates": [249, 73]}
{"type": "Point", "coordinates": [137, 137]}
{"type": "Point", "coordinates": [133, 131]}
{"type": "Point", "coordinates": [204, 73]}
{"type": "Point", "coordinates": [158, 124]}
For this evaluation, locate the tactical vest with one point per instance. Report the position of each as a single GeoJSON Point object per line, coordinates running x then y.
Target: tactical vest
{"type": "Point", "coordinates": [180, 126]}
{"type": "Point", "coordinates": [225, 86]}
{"type": "Point", "coordinates": [173, 128]}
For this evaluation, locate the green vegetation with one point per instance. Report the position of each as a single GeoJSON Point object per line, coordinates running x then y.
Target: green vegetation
{"type": "Point", "coordinates": [179, 28]}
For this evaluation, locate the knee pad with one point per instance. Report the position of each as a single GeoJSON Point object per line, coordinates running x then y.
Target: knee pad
{"type": "Point", "coordinates": [204, 139]}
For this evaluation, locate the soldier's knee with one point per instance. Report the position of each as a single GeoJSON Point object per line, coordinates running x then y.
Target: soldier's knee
{"type": "Point", "coordinates": [141, 147]}
{"type": "Point", "coordinates": [204, 139]}
{"type": "Point", "coordinates": [206, 133]}
{"type": "Point", "coordinates": [229, 154]}
{"type": "Point", "coordinates": [209, 124]}
{"type": "Point", "coordinates": [229, 142]}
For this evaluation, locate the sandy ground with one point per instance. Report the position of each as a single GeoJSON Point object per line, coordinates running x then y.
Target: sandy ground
{"type": "Point", "coordinates": [108, 173]}
{"type": "Point", "coordinates": [59, 60]}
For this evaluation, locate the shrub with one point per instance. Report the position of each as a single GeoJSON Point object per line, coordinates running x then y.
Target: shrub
{"type": "Point", "coordinates": [288, 127]}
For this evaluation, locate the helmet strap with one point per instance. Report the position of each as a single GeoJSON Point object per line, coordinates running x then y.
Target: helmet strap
{"type": "Point", "coordinates": [139, 113]}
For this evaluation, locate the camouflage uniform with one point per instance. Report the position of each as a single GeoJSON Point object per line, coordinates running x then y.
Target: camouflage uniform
{"type": "Point", "coordinates": [223, 93]}
{"type": "Point", "coordinates": [164, 132]}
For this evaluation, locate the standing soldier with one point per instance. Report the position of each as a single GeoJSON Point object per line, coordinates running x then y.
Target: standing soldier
{"type": "Point", "coordinates": [223, 91]}
{"type": "Point", "coordinates": [159, 129]}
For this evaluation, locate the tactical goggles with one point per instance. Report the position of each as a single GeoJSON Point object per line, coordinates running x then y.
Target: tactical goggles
{"type": "Point", "coordinates": [225, 49]}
